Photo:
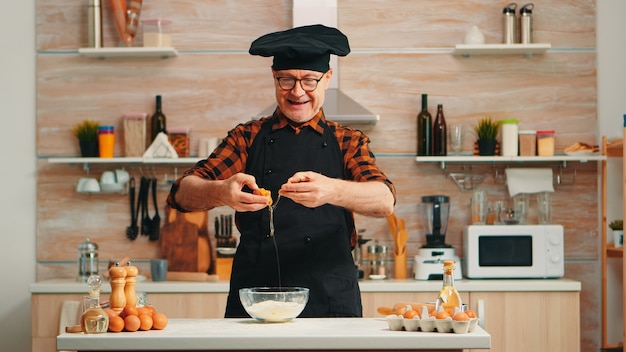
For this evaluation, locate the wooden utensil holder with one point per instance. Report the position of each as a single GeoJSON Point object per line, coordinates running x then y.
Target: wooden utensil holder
{"type": "Point", "coordinates": [399, 261]}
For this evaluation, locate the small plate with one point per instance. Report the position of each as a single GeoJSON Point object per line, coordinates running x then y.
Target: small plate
{"type": "Point", "coordinates": [377, 277]}
{"type": "Point", "coordinates": [226, 250]}
{"type": "Point", "coordinates": [581, 153]}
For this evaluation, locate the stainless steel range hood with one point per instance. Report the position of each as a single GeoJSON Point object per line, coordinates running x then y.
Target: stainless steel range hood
{"type": "Point", "coordinates": [337, 106]}
{"type": "Point", "coordinates": [340, 108]}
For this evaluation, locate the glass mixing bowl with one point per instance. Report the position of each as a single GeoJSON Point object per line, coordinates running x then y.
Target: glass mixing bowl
{"type": "Point", "coordinates": [274, 304]}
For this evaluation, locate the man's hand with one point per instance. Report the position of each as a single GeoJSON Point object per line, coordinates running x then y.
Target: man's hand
{"type": "Point", "coordinates": [308, 188]}
{"type": "Point", "coordinates": [311, 189]}
{"type": "Point", "coordinates": [198, 194]}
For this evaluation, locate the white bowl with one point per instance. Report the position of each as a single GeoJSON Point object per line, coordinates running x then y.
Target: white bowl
{"type": "Point", "coordinates": [108, 178]}
{"type": "Point", "coordinates": [112, 187]}
{"type": "Point", "coordinates": [274, 304]}
{"type": "Point", "coordinates": [88, 185]}
{"type": "Point", "coordinates": [122, 176]}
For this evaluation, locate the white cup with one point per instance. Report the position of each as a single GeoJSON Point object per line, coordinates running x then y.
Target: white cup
{"type": "Point", "coordinates": [88, 184]}
{"type": "Point", "coordinates": [108, 178]}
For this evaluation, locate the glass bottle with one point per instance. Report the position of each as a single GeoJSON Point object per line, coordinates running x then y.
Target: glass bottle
{"type": "Point", "coordinates": [158, 120]}
{"type": "Point", "coordinates": [424, 123]}
{"type": "Point", "coordinates": [94, 319]}
{"type": "Point", "coordinates": [440, 134]}
{"type": "Point", "coordinates": [449, 297]}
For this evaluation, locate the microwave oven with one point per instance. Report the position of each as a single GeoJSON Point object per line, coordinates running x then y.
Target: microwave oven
{"type": "Point", "coordinates": [513, 251]}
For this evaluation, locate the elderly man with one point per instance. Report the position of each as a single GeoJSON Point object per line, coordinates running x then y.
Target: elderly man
{"type": "Point", "coordinates": [319, 174]}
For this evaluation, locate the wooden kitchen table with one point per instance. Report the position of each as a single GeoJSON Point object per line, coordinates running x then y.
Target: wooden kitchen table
{"type": "Point", "coordinates": [323, 334]}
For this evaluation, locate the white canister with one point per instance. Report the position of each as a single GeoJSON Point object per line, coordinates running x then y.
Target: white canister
{"type": "Point", "coordinates": [509, 137]}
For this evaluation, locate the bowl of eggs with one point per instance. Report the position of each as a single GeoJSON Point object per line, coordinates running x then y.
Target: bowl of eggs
{"type": "Point", "coordinates": [274, 304]}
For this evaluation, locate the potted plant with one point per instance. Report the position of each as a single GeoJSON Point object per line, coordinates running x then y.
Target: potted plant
{"type": "Point", "coordinates": [487, 130]}
{"type": "Point", "coordinates": [617, 226]}
{"type": "Point", "coordinates": [87, 134]}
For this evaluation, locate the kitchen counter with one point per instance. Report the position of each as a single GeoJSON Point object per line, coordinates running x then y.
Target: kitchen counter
{"type": "Point", "coordinates": [246, 334]}
{"type": "Point", "coordinates": [465, 285]}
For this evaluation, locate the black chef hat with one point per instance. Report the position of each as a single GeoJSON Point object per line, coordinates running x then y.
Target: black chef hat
{"type": "Point", "coordinates": [304, 48]}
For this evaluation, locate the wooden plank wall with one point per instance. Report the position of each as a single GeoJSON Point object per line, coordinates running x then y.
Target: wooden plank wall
{"type": "Point", "coordinates": [400, 49]}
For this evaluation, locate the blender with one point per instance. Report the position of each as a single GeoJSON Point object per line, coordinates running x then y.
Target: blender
{"type": "Point", "coordinates": [429, 259]}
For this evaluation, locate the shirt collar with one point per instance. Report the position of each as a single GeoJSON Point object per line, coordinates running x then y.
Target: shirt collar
{"type": "Point", "coordinates": [316, 123]}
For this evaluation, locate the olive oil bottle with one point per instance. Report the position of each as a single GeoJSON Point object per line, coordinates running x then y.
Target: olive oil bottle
{"type": "Point", "coordinates": [94, 319]}
{"type": "Point", "coordinates": [449, 297]}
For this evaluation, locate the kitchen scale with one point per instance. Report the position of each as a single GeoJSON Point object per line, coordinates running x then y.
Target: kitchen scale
{"type": "Point", "coordinates": [428, 263]}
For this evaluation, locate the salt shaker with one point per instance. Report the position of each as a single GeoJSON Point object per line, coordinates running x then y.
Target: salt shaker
{"type": "Point", "coordinates": [117, 300]}
{"type": "Point", "coordinates": [509, 23]}
{"type": "Point", "coordinates": [129, 287]}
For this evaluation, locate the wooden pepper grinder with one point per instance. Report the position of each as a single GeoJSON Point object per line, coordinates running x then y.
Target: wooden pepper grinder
{"type": "Point", "coordinates": [129, 288]}
{"type": "Point", "coordinates": [117, 301]}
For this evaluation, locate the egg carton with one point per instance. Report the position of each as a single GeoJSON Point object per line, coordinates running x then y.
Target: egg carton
{"type": "Point", "coordinates": [398, 323]}
{"type": "Point", "coordinates": [425, 323]}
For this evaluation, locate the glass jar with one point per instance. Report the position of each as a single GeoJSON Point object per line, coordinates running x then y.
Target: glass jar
{"type": "Point", "coordinates": [527, 143]}
{"type": "Point", "coordinates": [545, 143]}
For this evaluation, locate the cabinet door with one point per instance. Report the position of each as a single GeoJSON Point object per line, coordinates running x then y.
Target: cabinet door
{"type": "Point", "coordinates": [189, 305]}
{"type": "Point", "coordinates": [529, 321]}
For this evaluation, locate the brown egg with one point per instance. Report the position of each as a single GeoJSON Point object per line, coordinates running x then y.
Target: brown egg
{"type": "Point", "coordinates": [116, 323]}
{"type": "Point", "coordinates": [442, 315]}
{"type": "Point", "coordinates": [132, 323]}
{"type": "Point", "coordinates": [128, 310]}
{"type": "Point", "coordinates": [145, 322]}
{"type": "Point", "coordinates": [461, 316]}
{"type": "Point", "coordinates": [159, 321]}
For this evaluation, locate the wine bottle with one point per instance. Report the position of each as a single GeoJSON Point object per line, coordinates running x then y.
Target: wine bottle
{"type": "Point", "coordinates": [449, 297]}
{"type": "Point", "coordinates": [158, 121]}
{"type": "Point", "coordinates": [424, 122]}
{"type": "Point", "coordinates": [440, 134]}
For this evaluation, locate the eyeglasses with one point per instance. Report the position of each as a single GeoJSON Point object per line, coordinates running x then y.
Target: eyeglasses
{"type": "Point", "coordinates": [307, 84]}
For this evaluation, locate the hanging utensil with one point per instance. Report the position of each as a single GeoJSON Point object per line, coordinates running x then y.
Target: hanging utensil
{"type": "Point", "coordinates": [132, 230]}
{"type": "Point", "coordinates": [145, 217]}
{"type": "Point", "coordinates": [155, 223]}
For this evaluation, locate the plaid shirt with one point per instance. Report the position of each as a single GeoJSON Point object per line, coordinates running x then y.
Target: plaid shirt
{"type": "Point", "coordinates": [231, 155]}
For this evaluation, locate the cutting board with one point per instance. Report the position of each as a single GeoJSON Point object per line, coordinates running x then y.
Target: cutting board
{"type": "Point", "coordinates": [185, 241]}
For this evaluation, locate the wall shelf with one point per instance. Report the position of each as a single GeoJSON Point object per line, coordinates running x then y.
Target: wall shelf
{"type": "Point", "coordinates": [508, 159]}
{"type": "Point", "coordinates": [103, 53]}
{"type": "Point", "coordinates": [501, 49]}
{"type": "Point", "coordinates": [124, 160]}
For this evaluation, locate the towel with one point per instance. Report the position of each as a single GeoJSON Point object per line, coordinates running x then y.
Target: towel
{"type": "Point", "coordinates": [529, 180]}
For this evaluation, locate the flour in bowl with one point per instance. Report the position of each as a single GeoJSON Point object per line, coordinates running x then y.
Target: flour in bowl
{"type": "Point", "coordinates": [275, 310]}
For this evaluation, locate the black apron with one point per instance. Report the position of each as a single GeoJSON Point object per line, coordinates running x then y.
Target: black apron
{"type": "Point", "coordinates": [313, 245]}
